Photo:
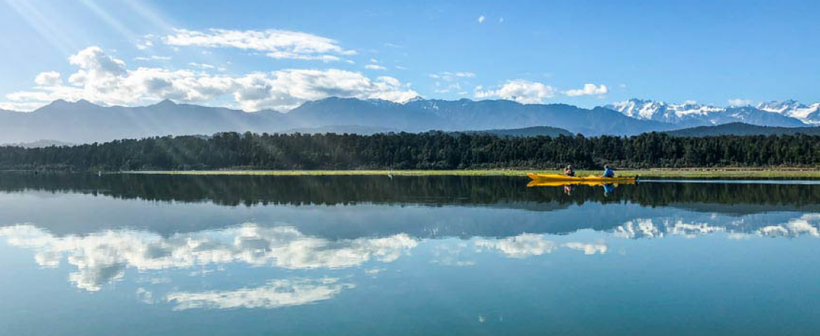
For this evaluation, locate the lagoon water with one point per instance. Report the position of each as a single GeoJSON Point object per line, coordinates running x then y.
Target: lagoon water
{"type": "Point", "coordinates": [200, 255]}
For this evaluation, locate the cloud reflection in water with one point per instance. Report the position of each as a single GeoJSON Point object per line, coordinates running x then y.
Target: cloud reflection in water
{"type": "Point", "coordinates": [103, 257]}
{"type": "Point", "coordinates": [529, 245]}
{"type": "Point", "coordinates": [275, 294]}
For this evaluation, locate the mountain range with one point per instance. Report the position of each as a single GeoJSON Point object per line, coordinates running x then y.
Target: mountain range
{"type": "Point", "coordinates": [788, 113]}
{"type": "Point", "coordinates": [85, 122]}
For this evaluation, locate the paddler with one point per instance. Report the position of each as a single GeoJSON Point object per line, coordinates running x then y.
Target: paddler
{"type": "Point", "coordinates": [608, 172]}
{"type": "Point", "coordinates": [569, 171]}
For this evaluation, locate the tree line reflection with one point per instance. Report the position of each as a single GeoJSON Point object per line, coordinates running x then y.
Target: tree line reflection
{"type": "Point", "coordinates": [424, 190]}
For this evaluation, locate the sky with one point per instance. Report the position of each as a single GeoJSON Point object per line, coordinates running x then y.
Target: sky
{"type": "Point", "coordinates": [255, 55]}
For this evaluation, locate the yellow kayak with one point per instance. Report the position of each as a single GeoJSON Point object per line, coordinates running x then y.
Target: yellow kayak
{"type": "Point", "coordinates": [556, 179]}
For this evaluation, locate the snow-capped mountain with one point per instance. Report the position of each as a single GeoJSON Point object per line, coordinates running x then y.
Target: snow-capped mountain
{"type": "Point", "coordinates": [688, 112]}
{"type": "Point", "coordinates": [809, 114]}
{"type": "Point", "coordinates": [693, 114]}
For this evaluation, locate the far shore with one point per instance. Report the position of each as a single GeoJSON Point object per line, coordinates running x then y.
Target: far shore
{"type": "Point", "coordinates": [684, 173]}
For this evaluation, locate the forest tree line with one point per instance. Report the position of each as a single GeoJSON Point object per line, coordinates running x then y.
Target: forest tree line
{"type": "Point", "coordinates": [432, 150]}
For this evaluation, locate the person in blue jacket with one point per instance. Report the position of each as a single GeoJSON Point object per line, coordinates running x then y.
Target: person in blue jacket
{"type": "Point", "coordinates": [608, 172]}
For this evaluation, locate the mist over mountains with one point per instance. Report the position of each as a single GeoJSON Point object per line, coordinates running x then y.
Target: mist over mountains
{"type": "Point", "coordinates": [84, 122]}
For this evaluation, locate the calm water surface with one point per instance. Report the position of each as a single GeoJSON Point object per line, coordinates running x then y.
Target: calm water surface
{"type": "Point", "coordinates": [175, 255]}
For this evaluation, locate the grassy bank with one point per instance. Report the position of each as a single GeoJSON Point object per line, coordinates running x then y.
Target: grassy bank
{"type": "Point", "coordinates": [648, 173]}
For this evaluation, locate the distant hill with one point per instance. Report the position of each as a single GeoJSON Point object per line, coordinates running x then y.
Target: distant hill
{"type": "Point", "coordinates": [526, 132]}
{"type": "Point", "coordinates": [84, 122]}
{"type": "Point", "coordinates": [39, 144]}
{"type": "Point", "coordinates": [742, 129]}
{"type": "Point", "coordinates": [342, 129]}
{"type": "Point", "coordinates": [366, 130]}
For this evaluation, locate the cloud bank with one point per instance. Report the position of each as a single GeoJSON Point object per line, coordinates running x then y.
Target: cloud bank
{"type": "Point", "coordinates": [519, 90]}
{"type": "Point", "coordinates": [588, 90]}
{"type": "Point", "coordinates": [278, 44]}
{"type": "Point", "coordinates": [104, 79]}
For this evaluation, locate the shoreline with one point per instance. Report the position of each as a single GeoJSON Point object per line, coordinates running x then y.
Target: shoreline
{"type": "Point", "coordinates": [689, 173]}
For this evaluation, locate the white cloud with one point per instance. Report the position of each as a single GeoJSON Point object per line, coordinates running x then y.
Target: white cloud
{"type": "Point", "coordinates": [529, 244]}
{"type": "Point", "coordinates": [451, 255]}
{"type": "Point", "coordinates": [104, 79]}
{"type": "Point", "coordinates": [142, 45]}
{"type": "Point", "coordinates": [202, 65]}
{"type": "Point", "coordinates": [93, 59]}
{"type": "Point", "coordinates": [451, 76]}
{"type": "Point", "coordinates": [739, 236]}
{"type": "Point", "coordinates": [522, 246]}
{"type": "Point", "coordinates": [20, 106]}
{"type": "Point", "coordinates": [374, 67]}
{"type": "Point", "coordinates": [49, 78]}
{"type": "Point", "coordinates": [447, 88]}
{"type": "Point", "coordinates": [287, 89]}
{"type": "Point", "coordinates": [145, 296]}
{"type": "Point", "coordinates": [806, 225]}
{"type": "Point", "coordinates": [740, 102]}
{"type": "Point", "coordinates": [279, 44]}
{"type": "Point", "coordinates": [152, 58]}
{"type": "Point", "coordinates": [520, 90]}
{"type": "Point", "coordinates": [588, 249]}
{"type": "Point", "coordinates": [275, 294]}
{"type": "Point", "coordinates": [447, 81]}
{"type": "Point", "coordinates": [588, 90]}
{"type": "Point", "coordinates": [481, 19]}
{"type": "Point", "coordinates": [103, 257]}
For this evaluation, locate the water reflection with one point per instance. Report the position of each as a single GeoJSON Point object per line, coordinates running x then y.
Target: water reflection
{"type": "Point", "coordinates": [102, 258]}
{"type": "Point", "coordinates": [472, 255]}
{"type": "Point", "coordinates": [425, 190]}
{"type": "Point", "coordinates": [802, 225]}
{"type": "Point", "coordinates": [528, 245]}
{"type": "Point", "coordinates": [274, 294]}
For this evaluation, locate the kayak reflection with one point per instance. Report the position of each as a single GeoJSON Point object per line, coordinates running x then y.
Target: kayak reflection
{"type": "Point", "coordinates": [569, 187]}
{"type": "Point", "coordinates": [536, 183]}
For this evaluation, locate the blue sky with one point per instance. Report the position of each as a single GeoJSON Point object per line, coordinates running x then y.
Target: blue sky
{"type": "Point", "coordinates": [276, 54]}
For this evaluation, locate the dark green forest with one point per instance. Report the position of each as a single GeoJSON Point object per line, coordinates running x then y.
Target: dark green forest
{"type": "Point", "coordinates": [432, 150]}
